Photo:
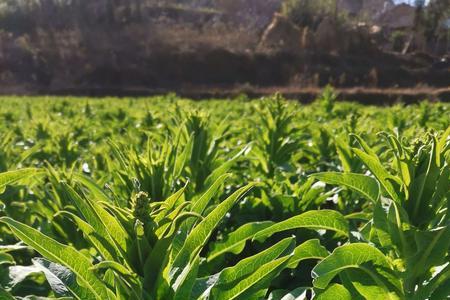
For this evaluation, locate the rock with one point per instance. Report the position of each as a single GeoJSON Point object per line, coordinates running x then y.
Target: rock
{"type": "Point", "coordinates": [375, 8]}
{"type": "Point", "coordinates": [371, 8]}
{"type": "Point", "coordinates": [353, 7]}
{"type": "Point", "coordinates": [307, 38]}
{"type": "Point", "coordinates": [399, 17]}
{"type": "Point", "coordinates": [281, 34]}
{"type": "Point", "coordinates": [252, 11]}
{"type": "Point", "coordinates": [326, 36]}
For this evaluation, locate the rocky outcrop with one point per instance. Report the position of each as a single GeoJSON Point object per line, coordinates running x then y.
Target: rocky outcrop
{"type": "Point", "coordinates": [375, 8]}
{"type": "Point", "coordinates": [281, 34]}
{"type": "Point", "coordinates": [399, 17]}
{"type": "Point", "coordinates": [328, 37]}
{"type": "Point", "coordinates": [252, 12]}
{"type": "Point", "coordinates": [353, 7]}
{"type": "Point", "coordinates": [371, 8]}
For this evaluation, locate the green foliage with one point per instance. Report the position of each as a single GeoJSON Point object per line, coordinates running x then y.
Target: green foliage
{"type": "Point", "coordinates": [409, 224]}
{"type": "Point", "coordinates": [166, 198]}
{"type": "Point", "coordinates": [306, 12]}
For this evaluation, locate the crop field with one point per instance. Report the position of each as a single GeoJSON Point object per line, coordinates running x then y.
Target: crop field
{"type": "Point", "coordinates": [167, 198]}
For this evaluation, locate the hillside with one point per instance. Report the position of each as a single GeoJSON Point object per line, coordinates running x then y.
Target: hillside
{"type": "Point", "coordinates": [52, 47]}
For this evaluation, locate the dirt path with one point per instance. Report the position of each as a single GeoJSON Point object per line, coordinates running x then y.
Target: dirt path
{"type": "Point", "coordinates": [363, 95]}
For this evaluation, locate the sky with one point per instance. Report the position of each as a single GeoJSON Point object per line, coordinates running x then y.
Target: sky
{"type": "Point", "coordinates": [407, 1]}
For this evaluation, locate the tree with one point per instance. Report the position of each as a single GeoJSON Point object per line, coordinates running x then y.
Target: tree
{"type": "Point", "coordinates": [308, 12]}
{"type": "Point", "coordinates": [437, 11]}
{"type": "Point", "coordinates": [428, 19]}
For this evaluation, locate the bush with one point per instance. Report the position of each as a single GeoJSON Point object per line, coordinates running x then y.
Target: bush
{"type": "Point", "coordinates": [307, 12]}
{"type": "Point", "coordinates": [398, 39]}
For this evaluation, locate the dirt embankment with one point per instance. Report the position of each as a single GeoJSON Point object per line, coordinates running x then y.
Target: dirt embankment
{"type": "Point", "coordinates": [384, 77]}
{"type": "Point", "coordinates": [164, 50]}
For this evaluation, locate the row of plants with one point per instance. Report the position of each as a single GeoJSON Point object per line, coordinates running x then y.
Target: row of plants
{"type": "Point", "coordinates": [168, 198]}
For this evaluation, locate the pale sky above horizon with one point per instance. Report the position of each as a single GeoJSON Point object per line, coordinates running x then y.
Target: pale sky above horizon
{"type": "Point", "coordinates": [407, 1]}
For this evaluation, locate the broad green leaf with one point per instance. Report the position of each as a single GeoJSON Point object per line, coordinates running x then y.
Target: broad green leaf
{"type": "Point", "coordinates": [365, 146]}
{"type": "Point", "coordinates": [441, 189]}
{"type": "Point", "coordinates": [389, 225]}
{"type": "Point", "coordinates": [386, 180]}
{"type": "Point", "coordinates": [315, 219]}
{"type": "Point", "coordinates": [253, 283]}
{"type": "Point", "coordinates": [170, 203]}
{"type": "Point", "coordinates": [6, 259]}
{"type": "Point", "coordinates": [201, 233]}
{"type": "Point", "coordinates": [243, 268]}
{"type": "Point", "coordinates": [106, 225]}
{"type": "Point", "coordinates": [198, 206]}
{"type": "Point", "coordinates": [345, 155]}
{"type": "Point", "coordinates": [382, 226]}
{"type": "Point", "coordinates": [11, 177]}
{"type": "Point", "coordinates": [96, 191]}
{"type": "Point", "coordinates": [112, 265]}
{"type": "Point", "coordinates": [371, 285]}
{"type": "Point", "coordinates": [400, 160]}
{"type": "Point", "coordinates": [442, 142]}
{"type": "Point", "coordinates": [62, 281]}
{"type": "Point", "coordinates": [182, 159]}
{"type": "Point", "coordinates": [423, 186]}
{"type": "Point", "coordinates": [62, 254]}
{"type": "Point", "coordinates": [345, 257]}
{"type": "Point", "coordinates": [235, 241]}
{"type": "Point", "coordinates": [4, 295]}
{"type": "Point", "coordinates": [156, 260]}
{"type": "Point", "coordinates": [94, 236]}
{"type": "Point", "coordinates": [334, 292]}
{"type": "Point", "coordinates": [366, 186]}
{"type": "Point", "coordinates": [311, 249]}
{"type": "Point", "coordinates": [185, 290]}
{"type": "Point", "coordinates": [250, 264]}
{"type": "Point", "coordinates": [223, 168]}
{"type": "Point", "coordinates": [432, 248]}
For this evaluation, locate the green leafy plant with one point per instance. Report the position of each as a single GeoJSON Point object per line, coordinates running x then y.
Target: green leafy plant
{"type": "Point", "coordinates": [133, 199]}
{"type": "Point", "coordinates": [132, 242]}
{"type": "Point", "coordinates": [409, 223]}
